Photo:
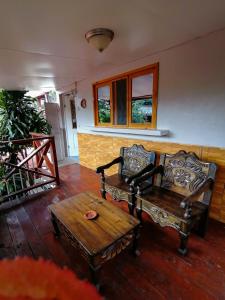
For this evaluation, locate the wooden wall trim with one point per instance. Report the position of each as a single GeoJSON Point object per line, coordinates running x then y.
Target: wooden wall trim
{"type": "Point", "coordinates": [95, 150]}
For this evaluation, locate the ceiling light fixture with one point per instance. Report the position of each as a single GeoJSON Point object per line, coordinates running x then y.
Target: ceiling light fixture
{"type": "Point", "coordinates": [99, 38]}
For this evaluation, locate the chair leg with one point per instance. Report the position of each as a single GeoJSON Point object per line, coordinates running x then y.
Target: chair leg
{"type": "Point", "coordinates": [183, 243]}
{"type": "Point", "coordinates": [131, 208]}
{"type": "Point", "coordinates": [202, 225]}
{"type": "Point", "coordinates": [131, 203]}
{"type": "Point", "coordinates": [102, 190]}
{"type": "Point", "coordinates": [103, 193]}
{"type": "Point", "coordinates": [139, 214]}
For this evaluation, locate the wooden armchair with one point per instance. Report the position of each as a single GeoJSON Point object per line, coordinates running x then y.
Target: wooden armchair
{"type": "Point", "coordinates": [133, 162]}
{"type": "Point", "coordinates": [181, 195]}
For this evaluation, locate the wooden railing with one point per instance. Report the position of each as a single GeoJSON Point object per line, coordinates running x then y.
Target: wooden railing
{"type": "Point", "coordinates": [35, 170]}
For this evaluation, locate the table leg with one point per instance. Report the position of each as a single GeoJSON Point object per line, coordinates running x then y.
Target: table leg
{"type": "Point", "coordinates": [55, 226]}
{"type": "Point", "coordinates": [135, 250]}
{"type": "Point", "coordinates": [94, 272]}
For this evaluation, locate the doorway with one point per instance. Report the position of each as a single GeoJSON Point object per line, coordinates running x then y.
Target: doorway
{"type": "Point", "coordinates": [68, 110]}
{"type": "Point", "coordinates": [52, 113]}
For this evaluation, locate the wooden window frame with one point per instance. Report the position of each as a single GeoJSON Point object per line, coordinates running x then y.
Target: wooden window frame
{"type": "Point", "coordinates": [150, 69]}
{"type": "Point", "coordinates": [95, 89]}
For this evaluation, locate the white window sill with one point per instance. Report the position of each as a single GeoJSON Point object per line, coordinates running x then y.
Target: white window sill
{"type": "Point", "coordinates": [143, 132]}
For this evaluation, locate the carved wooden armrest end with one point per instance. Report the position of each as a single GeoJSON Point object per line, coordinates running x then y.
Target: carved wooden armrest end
{"type": "Point", "coordinates": [107, 166]}
{"type": "Point", "coordinates": [187, 202]}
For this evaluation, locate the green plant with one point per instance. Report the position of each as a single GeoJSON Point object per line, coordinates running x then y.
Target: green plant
{"type": "Point", "coordinates": [19, 115]}
{"type": "Point", "coordinates": [2, 173]}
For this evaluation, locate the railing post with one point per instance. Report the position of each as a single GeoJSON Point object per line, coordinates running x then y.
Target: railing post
{"type": "Point", "coordinates": [55, 161]}
{"type": "Point", "coordinates": [42, 144]}
{"type": "Point", "coordinates": [37, 157]}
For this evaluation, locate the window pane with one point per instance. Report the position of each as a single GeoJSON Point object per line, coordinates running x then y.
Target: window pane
{"type": "Point", "coordinates": [141, 102]}
{"type": "Point", "coordinates": [142, 85]}
{"type": "Point", "coordinates": [104, 104]}
{"type": "Point", "coordinates": [141, 110]}
{"type": "Point", "coordinates": [120, 96]}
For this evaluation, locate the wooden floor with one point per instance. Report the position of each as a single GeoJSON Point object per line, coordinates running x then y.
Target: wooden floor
{"type": "Point", "coordinates": [158, 273]}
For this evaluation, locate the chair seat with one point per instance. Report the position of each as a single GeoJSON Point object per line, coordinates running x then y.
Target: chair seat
{"type": "Point", "coordinates": [118, 182]}
{"type": "Point", "coordinates": [169, 202]}
{"type": "Point", "coordinates": [116, 186]}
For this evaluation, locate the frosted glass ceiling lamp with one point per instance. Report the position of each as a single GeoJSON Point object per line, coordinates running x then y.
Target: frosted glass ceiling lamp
{"type": "Point", "coordinates": [99, 38]}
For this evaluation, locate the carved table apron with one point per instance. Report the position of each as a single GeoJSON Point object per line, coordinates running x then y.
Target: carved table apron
{"type": "Point", "coordinates": [97, 240]}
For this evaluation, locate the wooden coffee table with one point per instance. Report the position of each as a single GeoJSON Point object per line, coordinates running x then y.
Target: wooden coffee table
{"type": "Point", "coordinates": [98, 240]}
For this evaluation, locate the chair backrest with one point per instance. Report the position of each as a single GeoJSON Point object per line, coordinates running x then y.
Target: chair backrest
{"type": "Point", "coordinates": [184, 173]}
{"type": "Point", "coordinates": [135, 159]}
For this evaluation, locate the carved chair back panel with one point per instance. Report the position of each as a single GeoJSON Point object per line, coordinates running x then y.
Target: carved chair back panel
{"type": "Point", "coordinates": [135, 159]}
{"type": "Point", "coordinates": [183, 172]}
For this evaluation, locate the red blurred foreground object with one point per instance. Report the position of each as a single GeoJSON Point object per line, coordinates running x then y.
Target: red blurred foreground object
{"type": "Point", "coordinates": [28, 279]}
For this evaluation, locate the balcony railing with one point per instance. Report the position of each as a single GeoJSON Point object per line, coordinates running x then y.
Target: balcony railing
{"type": "Point", "coordinates": [36, 169]}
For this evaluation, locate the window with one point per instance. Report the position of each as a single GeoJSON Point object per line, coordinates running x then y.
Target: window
{"type": "Point", "coordinates": [141, 99]}
{"type": "Point", "coordinates": [104, 104]}
{"type": "Point", "coordinates": [127, 100]}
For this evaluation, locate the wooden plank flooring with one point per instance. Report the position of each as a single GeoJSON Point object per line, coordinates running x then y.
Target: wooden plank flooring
{"type": "Point", "coordinates": [158, 273]}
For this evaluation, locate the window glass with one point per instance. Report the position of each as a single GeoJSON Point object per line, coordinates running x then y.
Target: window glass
{"type": "Point", "coordinates": [104, 109]}
{"type": "Point", "coordinates": [141, 110]}
{"type": "Point", "coordinates": [141, 100]}
{"type": "Point", "coordinates": [120, 96]}
{"type": "Point", "coordinates": [142, 85]}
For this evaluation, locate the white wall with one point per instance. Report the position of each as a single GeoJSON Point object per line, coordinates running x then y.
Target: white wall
{"type": "Point", "coordinates": [191, 102]}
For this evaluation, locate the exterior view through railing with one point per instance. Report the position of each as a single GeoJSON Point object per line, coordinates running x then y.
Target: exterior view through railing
{"type": "Point", "coordinates": [35, 170]}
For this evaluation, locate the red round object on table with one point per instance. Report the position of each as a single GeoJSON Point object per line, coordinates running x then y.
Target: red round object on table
{"type": "Point", "coordinates": [91, 214]}
{"type": "Point", "coordinates": [29, 279]}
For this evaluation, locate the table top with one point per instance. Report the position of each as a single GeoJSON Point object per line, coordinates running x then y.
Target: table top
{"type": "Point", "coordinates": [95, 235]}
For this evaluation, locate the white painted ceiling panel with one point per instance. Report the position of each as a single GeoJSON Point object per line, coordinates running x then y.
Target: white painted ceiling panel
{"type": "Point", "coordinates": [42, 43]}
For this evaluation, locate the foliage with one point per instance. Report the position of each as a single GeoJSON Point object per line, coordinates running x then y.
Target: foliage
{"type": "Point", "coordinates": [141, 110]}
{"type": "Point", "coordinates": [2, 173]}
{"type": "Point", "coordinates": [19, 115]}
{"type": "Point", "coordinates": [51, 96]}
{"type": "Point", "coordinates": [104, 111]}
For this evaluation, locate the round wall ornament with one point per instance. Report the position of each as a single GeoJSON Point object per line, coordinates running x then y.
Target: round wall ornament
{"type": "Point", "coordinates": [83, 103]}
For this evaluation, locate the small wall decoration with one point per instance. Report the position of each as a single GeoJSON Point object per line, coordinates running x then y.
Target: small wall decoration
{"type": "Point", "coordinates": [83, 103]}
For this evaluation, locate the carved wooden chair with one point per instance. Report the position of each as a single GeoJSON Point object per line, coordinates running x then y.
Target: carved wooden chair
{"type": "Point", "coordinates": [133, 162]}
{"type": "Point", "coordinates": [181, 195]}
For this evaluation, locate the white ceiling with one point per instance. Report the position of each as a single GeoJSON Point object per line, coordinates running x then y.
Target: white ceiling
{"type": "Point", "coordinates": [42, 43]}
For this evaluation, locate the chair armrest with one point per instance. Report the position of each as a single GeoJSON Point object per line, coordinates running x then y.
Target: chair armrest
{"type": "Point", "coordinates": [205, 186]}
{"type": "Point", "coordinates": [156, 170]}
{"type": "Point", "coordinates": [146, 169]}
{"type": "Point", "coordinates": [186, 203]}
{"type": "Point", "coordinates": [107, 166]}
